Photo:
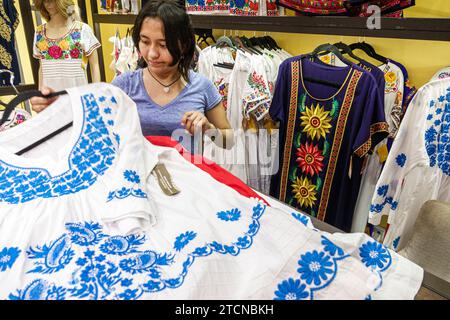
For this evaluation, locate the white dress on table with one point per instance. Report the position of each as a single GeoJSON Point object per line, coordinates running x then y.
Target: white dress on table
{"type": "Point", "coordinates": [82, 217]}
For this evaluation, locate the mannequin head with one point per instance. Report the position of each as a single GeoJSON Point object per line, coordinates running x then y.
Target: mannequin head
{"type": "Point", "coordinates": [49, 8]}
{"type": "Point", "coordinates": [163, 35]}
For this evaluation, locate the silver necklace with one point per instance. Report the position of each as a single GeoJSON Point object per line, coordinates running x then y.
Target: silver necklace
{"type": "Point", "coordinates": [166, 88]}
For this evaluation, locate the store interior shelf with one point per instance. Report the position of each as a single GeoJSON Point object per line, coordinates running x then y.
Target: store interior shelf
{"type": "Point", "coordinates": [404, 28]}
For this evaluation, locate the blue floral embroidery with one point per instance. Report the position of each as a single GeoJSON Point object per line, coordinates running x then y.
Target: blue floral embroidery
{"type": "Point", "coordinates": [301, 217]}
{"type": "Point", "coordinates": [231, 215]}
{"type": "Point", "coordinates": [396, 242]}
{"type": "Point", "coordinates": [40, 290]}
{"type": "Point", "coordinates": [375, 255]}
{"type": "Point", "coordinates": [291, 290]}
{"type": "Point", "coordinates": [183, 240]}
{"type": "Point", "coordinates": [132, 177]}
{"type": "Point", "coordinates": [114, 267]}
{"type": "Point", "coordinates": [317, 271]}
{"type": "Point", "coordinates": [7, 258]}
{"type": "Point", "coordinates": [401, 160]}
{"type": "Point", "coordinates": [437, 136]}
{"type": "Point", "coordinates": [91, 156]}
{"type": "Point", "coordinates": [383, 190]}
{"type": "Point", "coordinates": [331, 248]}
{"type": "Point", "coordinates": [378, 208]}
{"type": "Point", "coordinates": [315, 266]}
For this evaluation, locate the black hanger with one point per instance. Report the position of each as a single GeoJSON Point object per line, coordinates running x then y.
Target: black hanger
{"type": "Point", "coordinates": [24, 96]}
{"type": "Point", "coordinates": [327, 47]}
{"type": "Point", "coordinates": [369, 50]}
{"type": "Point", "coordinates": [272, 42]}
{"type": "Point", "coordinates": [249, 45]}
{"type": "Point", "coordinates": [347, 50]}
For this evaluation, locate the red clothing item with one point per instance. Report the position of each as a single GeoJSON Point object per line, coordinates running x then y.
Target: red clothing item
{"type": "Point", "coordinates": [214, 170]}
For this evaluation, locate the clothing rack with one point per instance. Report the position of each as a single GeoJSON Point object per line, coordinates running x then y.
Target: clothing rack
{"type": "Point", "coordinates": [404, 28]}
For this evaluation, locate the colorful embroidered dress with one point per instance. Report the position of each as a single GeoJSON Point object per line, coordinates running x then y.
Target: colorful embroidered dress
{"type": "Point", "coordinates": [9, 21]}
{"type": "Point", "coordinates": [17, 117]}
{"type": "Point", "coordinates": [392, 8]}
{"type": "Point", "coordinates": [418, 166]}
{"type": "Point", "coordinates": [207, 6]}
{"type": "Point", "coordinates": [64, 60]}
{"type": "Point", "coordinates": [325, 133]}
{"type": "Point", "coordinates": [71, 226]}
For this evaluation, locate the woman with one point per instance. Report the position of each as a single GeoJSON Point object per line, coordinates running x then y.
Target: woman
{"type": "Point", "coordinates": [169, 96]}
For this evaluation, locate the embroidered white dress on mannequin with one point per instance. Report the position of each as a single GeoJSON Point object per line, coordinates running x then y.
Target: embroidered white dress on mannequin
{"type": "Point", "coordinates": [418, 165]}
{"type": "Point", "coordinates": [77, 221]}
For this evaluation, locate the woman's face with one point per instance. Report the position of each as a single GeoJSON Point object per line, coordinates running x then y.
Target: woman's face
{"type": "Point", "coordinates": [152, 46]}
{"type": "Point", "coordinates": [50, 6]}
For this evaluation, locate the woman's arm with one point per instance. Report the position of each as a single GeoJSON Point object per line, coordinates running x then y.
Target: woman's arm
{"type": "Point", "coordinates": [220, 127]}
{"type": "Point", "coordinates": [213, 123]}
{"type": "Point", "coordinates": [95, 69]}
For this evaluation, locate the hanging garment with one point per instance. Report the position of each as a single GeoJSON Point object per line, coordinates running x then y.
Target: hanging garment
{"type": "Point", "coordinates": [65, 56]}
{"type": "Point", "coordinates": [9, 20]}
{"type": "Point", "coordinates": [208, 6]}
{"type": "Point", "coordinates": [442, 74]}
{"type": "Point", "coordinates": [56, 244]}
{"type": "Point", "coordinates": [393, 98]}
{"type": "Point", "coordinates": [418, 166]}
{"type": "Point", "coordinates": [325, 133]}
{"type": "Point", "coordinates": [347, 7]}
{"type": "Point", "coordinates": [245, 7]}
{"type": "Point", "coordinates": [17, 117]}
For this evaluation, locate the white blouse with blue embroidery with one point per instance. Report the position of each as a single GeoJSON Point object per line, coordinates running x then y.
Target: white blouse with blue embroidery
{"type": "Point", "coordinates": [418, 165]}
{"type": "Point", "coordinates": [78, 213]}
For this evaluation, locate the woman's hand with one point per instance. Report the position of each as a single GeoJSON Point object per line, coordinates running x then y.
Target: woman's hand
{"type": "Point", "coordinates": [194, 121]}
{"type": "Point", "coordinates": [38, 103]}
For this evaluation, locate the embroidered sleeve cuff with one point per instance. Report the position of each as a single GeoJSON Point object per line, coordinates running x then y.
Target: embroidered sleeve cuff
{"type": "Point", "coordinates": [378, 131]}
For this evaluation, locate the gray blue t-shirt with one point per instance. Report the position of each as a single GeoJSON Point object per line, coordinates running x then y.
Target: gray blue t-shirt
{"type": "Point", "coordinates": [199, 94]}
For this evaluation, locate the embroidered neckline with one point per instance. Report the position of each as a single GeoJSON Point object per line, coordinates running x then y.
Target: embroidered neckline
{"type": "Point", "coordinates": [323, 99]}
{"type": "Point", "coordinates": [44, 32]}
{"type": "Point", "coordinates": [92, 154]}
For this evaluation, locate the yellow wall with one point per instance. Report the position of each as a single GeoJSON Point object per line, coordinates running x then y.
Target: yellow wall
{"type": "Point", "coordinates": [421, 58]}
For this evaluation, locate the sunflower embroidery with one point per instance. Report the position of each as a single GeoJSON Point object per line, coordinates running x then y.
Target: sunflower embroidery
{"type": "Point", "coordinates": [390, 77]}
{"type": "Point", "coordinates": [310, 159]}
{"type": "Point", "coordinates": [316, 122]}
{"type": "Point", "coordinates": [305, 192]}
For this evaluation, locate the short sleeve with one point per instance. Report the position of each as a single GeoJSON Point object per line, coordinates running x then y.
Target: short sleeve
{"type": "Point", "coordinates": [281, 93]}
{"type": "Point", "coordinates": [37, 43]}
{"type": "Point", "coordinates": [122, 82]}
{"type": "Point", "coordinates": [212, 95]}
{"type": "Point", "coordinates": [373, 128]}
{"type": "Point", "coordinates": [256, 96]}
{"type": "Point", "coordinates": [128, 205]}
{"type": "Point", "coordinates": [88, 40]}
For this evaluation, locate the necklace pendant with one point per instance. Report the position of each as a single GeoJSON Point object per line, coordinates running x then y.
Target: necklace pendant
{"type": "Point", "coordinates": [166, 89]}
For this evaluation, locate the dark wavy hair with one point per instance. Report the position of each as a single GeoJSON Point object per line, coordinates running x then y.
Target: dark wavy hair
{"type": "Point", "coordinates": [180, 39]}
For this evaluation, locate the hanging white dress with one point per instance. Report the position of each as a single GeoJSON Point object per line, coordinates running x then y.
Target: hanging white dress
{"type": "Point", "coordinates": [83, 217]}
{"type": "Point", "coordinates": [418, 165]}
